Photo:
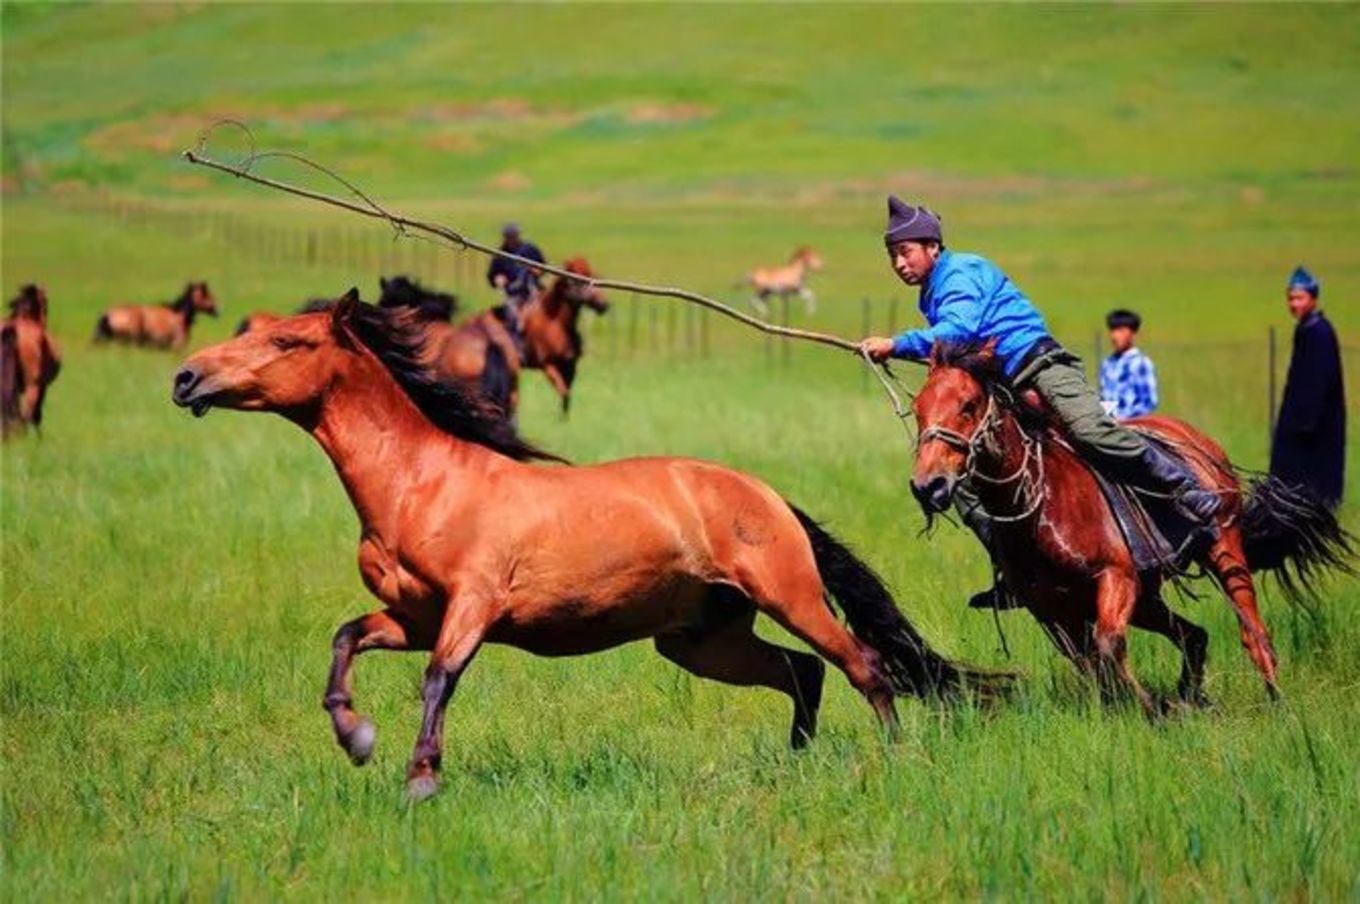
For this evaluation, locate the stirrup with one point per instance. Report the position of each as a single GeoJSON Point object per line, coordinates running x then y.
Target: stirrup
{"type": "Point", "coordinates": [993, 598]}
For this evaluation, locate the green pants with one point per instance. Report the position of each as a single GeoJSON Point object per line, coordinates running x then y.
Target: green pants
{"type": "Point", "coordinates": [1100, 439]}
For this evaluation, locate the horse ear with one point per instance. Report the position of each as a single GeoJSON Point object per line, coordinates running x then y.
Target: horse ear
{"type": "Point", "coordinates": [988, 351]}
{"type": "Point", "coordinates": [343, 311]}
{"type": "Point", "coordinates": [937, 354]}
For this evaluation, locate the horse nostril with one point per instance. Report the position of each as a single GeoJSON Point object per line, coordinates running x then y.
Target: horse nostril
{"type": "Point", "coordinates": [185, 380]}
{"type": "Point", "coordinates": [934, 493]}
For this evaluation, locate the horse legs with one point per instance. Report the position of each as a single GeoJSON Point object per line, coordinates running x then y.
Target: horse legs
{"type": "Point", "coordinates": [1073, 638]}
{"type": "Point", "coordinates": [1229, 566]}
{"type": "Point", "coordinates": [1153, 614]}
{"type": "Point", "coordinates": [1116, 598]}
{"type": "Point", "coordinates": [459, 639]}
{"type": "Point", "coordinates": [809, 299]}
{"type": "Point", "coordinates": [375, 631]}
{"type": "Point", "coordinates": [810, 620]}
{"type": "Point", "coordinates": [559, 384]}
{"type": "Point", "coordinates": [730, 652]}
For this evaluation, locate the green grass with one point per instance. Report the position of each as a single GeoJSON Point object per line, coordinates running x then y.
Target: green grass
{"type": "Point", "coordinates": [170, 586]}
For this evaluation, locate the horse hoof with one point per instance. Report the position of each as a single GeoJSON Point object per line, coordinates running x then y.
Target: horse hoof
{"type": "Point", "coordinates": [359, 744]}
{"type": "Point", "coordinates": [422, 787]}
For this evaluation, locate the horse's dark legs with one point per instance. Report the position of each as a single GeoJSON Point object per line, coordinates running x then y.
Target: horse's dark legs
{"type": "Point", "coordinates": [1116, 598]}
{"type": "Point", "coordinates": [1073, 638]}
{"type": "Point", "coordinates": [1229, 565]}
{"type": "Point", "coordinates": [730, 652]}
{"type": "Point", "coordinates": [375, 631]}
{"type": "Point", "coordinates": [559, 384]}
{"type": "Point", "coordinates": [459, 639]}
{"type": "Point", "coordinates": [1153, 614]}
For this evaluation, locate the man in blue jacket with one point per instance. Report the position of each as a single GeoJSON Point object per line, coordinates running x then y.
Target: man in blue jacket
{"type": "Point", "coordinates": [516, 282]}
{"type": "Point", "coordinates": [966, 298]}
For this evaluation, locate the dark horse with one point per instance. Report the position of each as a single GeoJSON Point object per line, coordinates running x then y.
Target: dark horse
{"type": "Point", "coordinates": [404, 292]}
{"type": "Point", "coordinates": [1063, 554]}
{"type": "Point", "coordinates": [29, 361]}
{"type": "Point", "coordinates": [462, 538]}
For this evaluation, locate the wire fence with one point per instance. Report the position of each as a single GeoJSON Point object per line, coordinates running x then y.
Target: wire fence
{"type": "Point", "coordinates": [638, 327]}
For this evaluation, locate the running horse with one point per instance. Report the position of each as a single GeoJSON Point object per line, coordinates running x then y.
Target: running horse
{"type": "Point", "coordinates": [1064, 556]}
{"type": "Point", "coordinates": [29, 361]}
{"type": "Point", "coordinates": [552, 343]}
{"type": "Point", "coordinates": [157, 325]}
{"type": "Point", "coordinates": [790, 279]}
{"type": "Point", "coordinates": [462, 539]}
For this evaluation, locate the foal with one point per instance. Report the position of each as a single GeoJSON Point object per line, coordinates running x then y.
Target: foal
{"type": "Point", "coordinates": [157, 325]}
{"type": "Point", "coordinates": [790, 279]}
{"type": "Point", "coordinates": [462, 540]}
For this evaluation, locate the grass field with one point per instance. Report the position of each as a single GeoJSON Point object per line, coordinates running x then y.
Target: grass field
{"type": "Point", "coordinates": [170, 586]}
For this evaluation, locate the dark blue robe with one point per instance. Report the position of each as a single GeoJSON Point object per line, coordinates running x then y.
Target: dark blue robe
{"type": "Point", "coordinates": [1310, 434]}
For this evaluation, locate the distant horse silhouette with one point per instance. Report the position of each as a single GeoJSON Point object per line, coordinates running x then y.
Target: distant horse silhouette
{"type": "Point", "coordinates": [397, 292]}
{"type": "Point", "coordinates": [465, 542]}
{"type": "Point", "coordinates": [790, 279]}
{"type": "Point", "coordinates": [157, 325]}
{"type": "Point", "coordinates": [29, 361]}
{"type": "Point", "coordinates": [1061, 550]}
{"type": "Point", "coordinates": [551, 341]}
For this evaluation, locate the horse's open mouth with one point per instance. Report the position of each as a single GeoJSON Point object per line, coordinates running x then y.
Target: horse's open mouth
{"type": "Point", "coordinates": [200, 407]}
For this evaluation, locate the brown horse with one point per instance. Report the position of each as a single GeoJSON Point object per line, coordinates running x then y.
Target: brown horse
{"type": "Point", "coordinates": [29, 361]}
{"type": "Point", "coordinates": [158, 325]}
{"type": "Point", "coordinates": [1063, 554]}
{"type": "Point", "coordinates": [790, 279]}
{"type": "Point", "coordinates": [552, 343]}
{"type": "Point", "coordinates": [462, 538]}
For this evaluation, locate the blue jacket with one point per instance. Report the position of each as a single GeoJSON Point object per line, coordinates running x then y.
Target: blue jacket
{"type": "Point", "coordinates": [968, 299]}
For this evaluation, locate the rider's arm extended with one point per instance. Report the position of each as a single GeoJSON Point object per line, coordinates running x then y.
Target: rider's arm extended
{"type": "Point", "coordinates": [958, 318]}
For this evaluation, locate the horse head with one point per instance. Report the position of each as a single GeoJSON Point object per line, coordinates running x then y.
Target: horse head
{"type": "Point", "coordinates": [583, 291]}
{"type": "Point", "coordinates": [196, 298]}
{"type": "Point", "coordinates": [31, 302]}
{"type": "Point", "coordinates": [808, 257]}
{"type": "Point", "coordinates": [955, 414]}
{"type": "Point", "coordinates": [284, 366]}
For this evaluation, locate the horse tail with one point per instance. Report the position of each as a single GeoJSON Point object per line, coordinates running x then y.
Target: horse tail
{"type": "Point", "coordinates": [497, 383]}
{"type": "Point", "coordinates": [103, 330]}
{"type": "Point", "coordinates": [1289, 531]}
{"type": "Point", "coordinates": [912, 666]}
{"type": "Point", "coordinates": [11, 377]}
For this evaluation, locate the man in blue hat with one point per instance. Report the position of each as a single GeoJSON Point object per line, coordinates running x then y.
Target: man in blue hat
{"type": "Point", "coordinates": [966, 298]}
{"type": "Point", "coordinates": [516, 282]}
{"type": "Point", "coordinates": [1310, 433]}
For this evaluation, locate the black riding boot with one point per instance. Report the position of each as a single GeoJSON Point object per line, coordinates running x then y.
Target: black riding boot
{"type": "Point", "coordinates": [996, 596]}
{"type": "Point", "coordinates": [1162, 473]}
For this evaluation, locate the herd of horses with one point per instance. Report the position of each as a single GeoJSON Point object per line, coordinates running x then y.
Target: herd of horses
{"type": "Point", "coordinates": [412, 403]}
{"type": "Point", "coordinates": [509, 544]}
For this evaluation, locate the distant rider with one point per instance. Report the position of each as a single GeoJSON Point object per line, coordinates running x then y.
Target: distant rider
{"type": "Point", "coordinates": [966, 298]}
{"type": "Point", "coordinates": [516, 282]}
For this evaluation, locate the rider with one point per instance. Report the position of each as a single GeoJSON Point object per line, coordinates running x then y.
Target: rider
{"type": "Point", "coordinates": [966, 298]}
{"type": "Point", "coordinates": [516, 281]}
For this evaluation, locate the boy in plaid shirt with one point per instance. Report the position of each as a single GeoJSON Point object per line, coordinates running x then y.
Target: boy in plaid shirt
{"type": "Point", "coordinates": [1128, 379]}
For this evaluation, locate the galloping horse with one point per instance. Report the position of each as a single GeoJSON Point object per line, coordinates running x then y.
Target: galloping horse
{"type": "Point", "coordinates": [552, 343]}
{"type": "Point", "coordinates": [1062, 552]}
{"type": "Point", "coordinates": [158, 325]}
{"type": "Point", "coordinates": [29, 361]}
{"type": "Point", "coordinates": [784, 281]}
{"type": "Point", "coordinates": [462, 538]}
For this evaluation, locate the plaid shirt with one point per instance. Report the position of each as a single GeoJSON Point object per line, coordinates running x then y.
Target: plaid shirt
{"type": "Point", "coordinates": [1130, 382]}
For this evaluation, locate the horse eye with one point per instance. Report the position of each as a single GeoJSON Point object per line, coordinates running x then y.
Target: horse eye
{"type": "Point", "coordinates": [284, 343]}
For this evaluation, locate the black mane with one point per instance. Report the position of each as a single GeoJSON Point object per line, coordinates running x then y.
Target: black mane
{"type": "Point", "coordinates": [981, 363]}
{"type": "Point", "coordinates": [396, 337]}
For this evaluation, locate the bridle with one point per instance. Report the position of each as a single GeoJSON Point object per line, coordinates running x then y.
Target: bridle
{"type": "Point", "coordinates": [1029, 484]}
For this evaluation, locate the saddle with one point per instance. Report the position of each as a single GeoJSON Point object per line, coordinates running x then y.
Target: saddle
{"type": "Point", "coordinates": [1163, 541]}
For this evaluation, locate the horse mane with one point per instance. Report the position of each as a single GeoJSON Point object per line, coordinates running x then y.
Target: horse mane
{"type": "Point", "coordinates": [395, 336]}
{"type": "Point", "coordinates": [29, 302]}
{"type": "Point", "coordinates": [185, 300]}
{"type": "Point", "coordinates": [316, 305]}
{"type": "Point", "coordinates": [979, 360]}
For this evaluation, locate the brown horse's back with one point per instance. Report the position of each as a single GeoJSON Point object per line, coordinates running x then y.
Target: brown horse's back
{"type": "Point", "coordinates": [143, 324]}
